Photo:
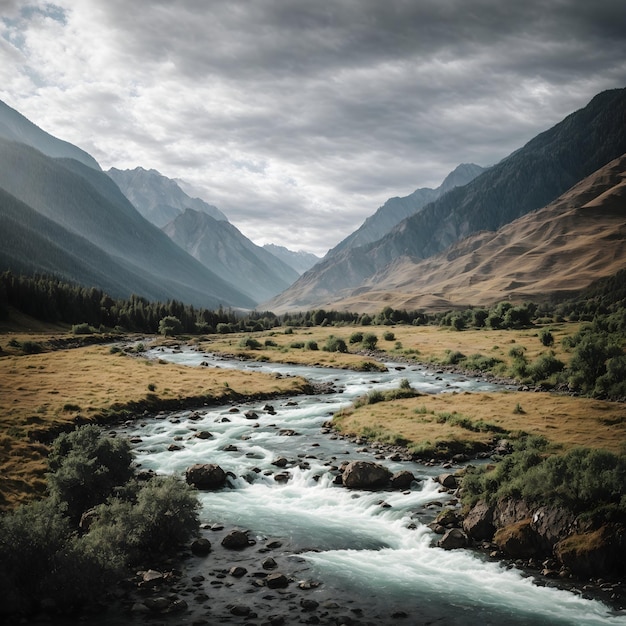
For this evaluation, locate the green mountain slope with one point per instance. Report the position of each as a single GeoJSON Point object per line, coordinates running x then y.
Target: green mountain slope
{"type": "Point", "coordinates": [87, 203]}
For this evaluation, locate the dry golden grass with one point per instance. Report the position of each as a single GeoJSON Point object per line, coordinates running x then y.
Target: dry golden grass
{"type": "Point", "coordinates": [44, 393]}
{"type": "Point", "coordinates": [565, 421]}
{"type": "Point", "coordinates": [421, 343]}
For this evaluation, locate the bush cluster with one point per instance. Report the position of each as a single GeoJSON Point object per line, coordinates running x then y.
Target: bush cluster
{"type": "Point", "coordinates": [582, 480]}
{"type": "Point", "coordinates": [47, 553]}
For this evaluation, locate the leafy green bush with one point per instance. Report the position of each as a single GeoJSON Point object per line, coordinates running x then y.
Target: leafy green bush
{"type": "Point", "coordinates": [453, 357]}
{"type": "Point", "coordinates": [582, 480]}
{"type": "Point", "coordinates": [369, 341]}
{"type": "Point", "coordinates": [250, 343]}
{"type": "Point", "coordinates": [85, 467]}
{"type": "Point", "coordinates": [82, 329]}
{"type": "Point", "coordinates": [42, 556]}
{"type": "Point", "coordinates": [297, 345]}
{"type": "Point", "coordinates": [162, 516]}
{"type": "Point", "coordinates": [335, 344]}
{"type": "Point", "coordinates": [388, 336]}
{"type": "Point", "coordinates": [270, 343]}
{"type": "Point", "coordinates": [546, 337]}
{"type": "Point", "coordinates": [544, 366]}
{"type": "Point", "coordinates": [356, 337]}
{"type": "Point", "coordinates": [480, 362]}
{"type": "Point", "coordinates": [311, 345]}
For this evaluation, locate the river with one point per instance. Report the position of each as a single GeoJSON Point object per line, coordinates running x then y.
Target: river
{"type": "Point", "coordinates": [370, 552]}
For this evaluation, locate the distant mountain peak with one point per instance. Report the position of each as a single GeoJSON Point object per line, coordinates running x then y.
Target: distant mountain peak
{"type": "Point", "coordinates": [396, 209]}
{"type": "Point", "coordinates": [220, 246]}
{"type": "Point", "coordinates": [299, 260]}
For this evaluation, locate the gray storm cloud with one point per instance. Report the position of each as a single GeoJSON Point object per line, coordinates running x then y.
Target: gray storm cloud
{"type": "Point", "coordinates": [299, 119]}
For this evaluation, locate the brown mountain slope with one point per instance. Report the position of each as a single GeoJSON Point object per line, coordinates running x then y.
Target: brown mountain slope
{"type": "Point", "coordinates": [564, 247]}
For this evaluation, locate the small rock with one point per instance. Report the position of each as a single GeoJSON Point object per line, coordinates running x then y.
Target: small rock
{"type": "Point", "coordinates": [200, 546]}
{"type": "Point", "coordinates": [276, 581]}
{"type": "Point", "coordinates": [236, 540]}
{"type": "Point", "coordinates": [237, 571]}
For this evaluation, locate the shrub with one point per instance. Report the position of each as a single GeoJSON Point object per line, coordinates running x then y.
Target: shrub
{"type": "Point", "coordinates": [582, 480]}
{"type": "Point", "coordinates": [356, 337]}
{"type": "Point", "coordinates": [157, 520]}
{"type": "Point", "coordinates": [481, 363]}
{"type": "Point", "coordinates": [453, 357]}
{"type": "Point", "coordinates": [388, 336]}
{"type": "Point", "coordinates": [223, 329]}
{"type": "Point", "coordinates": [544, 366]}
{"type": "Point", "coordinates": [41, 557]}
{"type": "Point", "coordinates": [311, 345]}
{"type": "Point", "coordinates": [613, 383]}
{"type": "Point", "coordinates": [546, 337]}
{"type": "Point", "coordinates": [85, 467]}
{"type": "Point", "coordinates": [369, 341]}
{"type": "Point", "coordinates": [270, 343]}
{"type": "Point", "coordinates": [335, 344]}
{"type": "Point", "coordinates": [249, 342]}
{"type": "Point", "coordinates": [297, 344]}
{"type": "Point", "coordinates": [31, 347]}
{"type": "Point", "coordinates": [82, 329]}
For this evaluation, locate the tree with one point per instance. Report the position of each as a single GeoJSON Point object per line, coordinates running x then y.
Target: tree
{"type": "Point", "coordinates": [170, 325]}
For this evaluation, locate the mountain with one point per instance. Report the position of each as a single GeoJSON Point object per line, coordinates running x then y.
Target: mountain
{"type": "Point", "coordinates": [158, 198]}
{"type": "Point", "coordinates": [86, 203]}
{"type": "Point", "coordinates": [15, 127]}
{"type": "Point", "coordinates": [397, 209]}
{"type": "Point", "coordinates": [528, 179]}
{"type": "Point", "coordinates": [300, 260]}
{"type": "Point", "coordinates": [558, 250]}
{"type": "Point", "coordinates": [220, 246]}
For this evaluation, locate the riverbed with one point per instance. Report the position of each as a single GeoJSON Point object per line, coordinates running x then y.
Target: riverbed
{"type": "Point", "coordinates": [352, 557]}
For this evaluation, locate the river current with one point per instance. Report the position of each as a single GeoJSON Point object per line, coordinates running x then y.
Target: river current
{"type": "Point", "coordinates": [371, 549]}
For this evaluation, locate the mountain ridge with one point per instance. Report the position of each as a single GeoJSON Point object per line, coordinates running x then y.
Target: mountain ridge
{"type": "Point", "coordinates": [395, 209]}
{"type": "Point", "coordinates": [15, 127]}
{"type": "Point", "coordinates": [158, 198]}
{"type": "Point", "coordinates": [87, 203]}
{"type": "Point", "coordinates": [528, 179]}
{"type": "Point", "coordinates": [560, 249]}
{"type": "Point", "coordinates": [220, 246]}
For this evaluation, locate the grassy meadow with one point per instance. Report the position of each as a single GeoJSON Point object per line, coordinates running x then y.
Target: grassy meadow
{"type": "Point", "coordinates": [46, 392]}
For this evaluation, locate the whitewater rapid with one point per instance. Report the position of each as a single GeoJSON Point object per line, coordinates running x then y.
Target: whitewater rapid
{"type": "Point", "coordinates": [372, 546]}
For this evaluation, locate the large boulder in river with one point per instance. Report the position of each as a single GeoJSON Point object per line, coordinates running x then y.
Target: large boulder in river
{"type": "Point", "coordinates": [453, 539]}
{"type": "Point", "coordinates": [206, 476]}
{"type": "Point", "coordinates": [365, 475]}
{"type": "Point", "coordinates": [402, 480]}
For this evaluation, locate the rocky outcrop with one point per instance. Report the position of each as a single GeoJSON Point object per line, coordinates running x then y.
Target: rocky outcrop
{"type": "Point", "coordinates": [365, 475]}
{"type": "Point", "coordinates": [478, 523]}
{"type": "Point", "coordinates": [453, 539]}
{"type": "Point", "coordinates": [594, 553]}
{"type": "Point", "coordinates": [523, 531]}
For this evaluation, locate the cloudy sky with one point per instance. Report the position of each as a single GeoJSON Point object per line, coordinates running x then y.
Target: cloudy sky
{"type": "Point", "coordinates": [298, 118]}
